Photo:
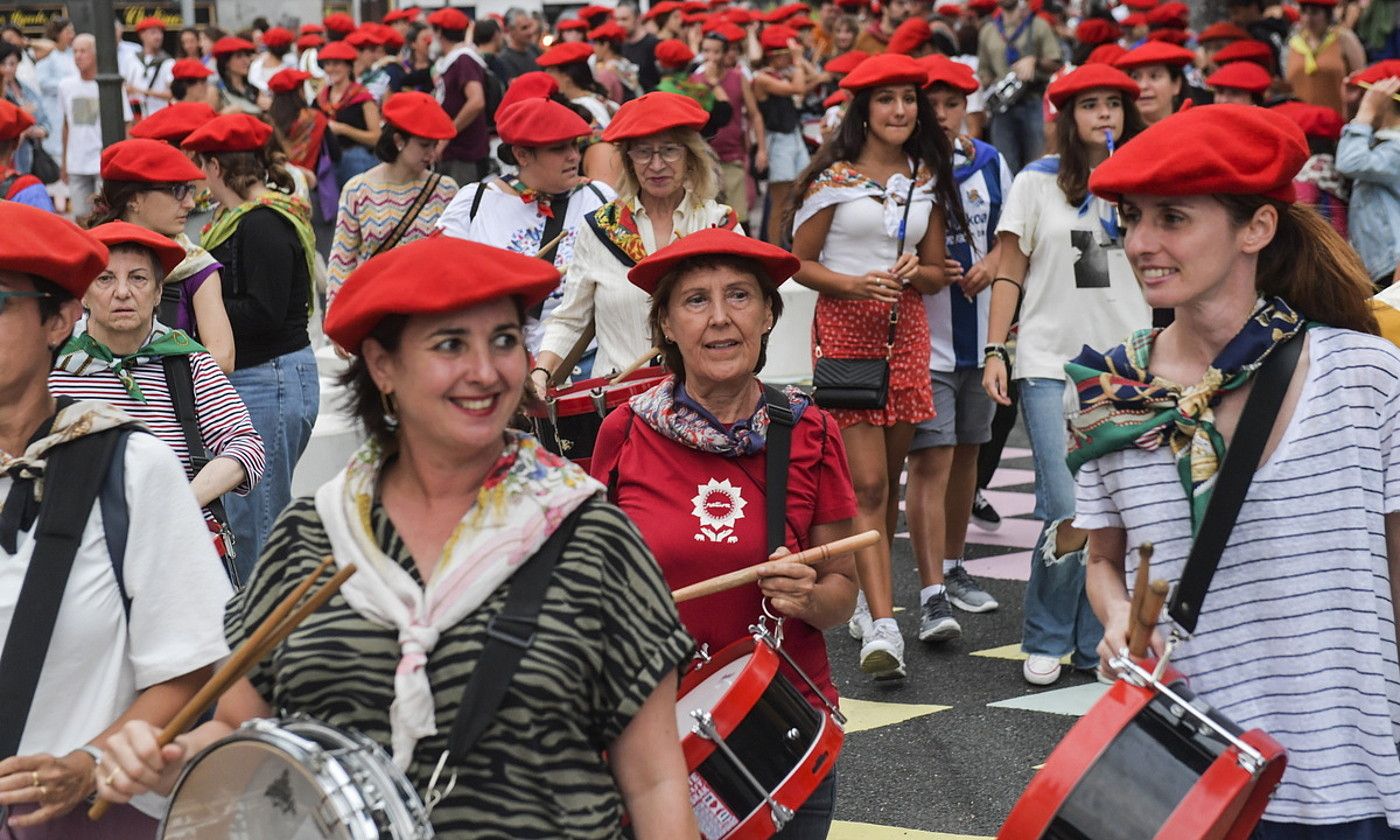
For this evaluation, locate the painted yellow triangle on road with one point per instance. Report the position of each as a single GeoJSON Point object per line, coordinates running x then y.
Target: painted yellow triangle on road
{"type": "Point", "coordinates": [868, 714]}
{"type": "Point", "coordinates": [1011, 651]}
{"type": "Point", "coordinates": [865, 831]}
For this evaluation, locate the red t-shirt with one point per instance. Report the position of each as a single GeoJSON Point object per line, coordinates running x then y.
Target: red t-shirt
{"type": "Point", "coordinates": [703, 515]}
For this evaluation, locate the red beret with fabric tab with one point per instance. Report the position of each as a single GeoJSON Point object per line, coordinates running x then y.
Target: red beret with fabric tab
{"type": "Point", "coordinates": [449, 19]}
{"type": "Point", "coordinates": [279, 36]}
{"type": "Point", "coordinates": [309, 41]}
{"type": "Point", "coordinates": [885, 69]}
{"type": "Point", "coordinates": [419, 114]}
{"type": "Point", "coordinates": [1208, 150]}
{"type": "Point", "coordinates": [150, 23]}
{"type": "Point", "coordinates": [339, 22]}
{"type": "Point", "coordinates": [433, 276]}
{"type": "Point", "coordinates": [286, 81]}
{"type": "Point", "coordinates": [14, 120]}
{"type": "Point", "coordinates": [943, 70]}
{"type": "Point", "coordinates": [190, 68]}
{"type": "Point", "coordinates": [174, 122]}
{"type": "Point", "coordinates": [1090, 77]}
{"type": "Point", "coordinates": [913, 33]}
{"type": "Point", "coordinates": [1241, 75]}
{"type": "Point", "coordinates": [337, 51]}
{"type": "Point", "coordinates": [1097, 31]}
{"type": "Point", "coordinates": [229, 45]}
{"type": "Point", "coordinates": [47, 245]}
{"type": "Point", "coordinates": [776, 264]}
{"type": "Point", "coordinates": [1105, 54]}
{"type": "Point", "coordinates": [653, 113]}
{"type": "Point", "coordinates": [535, 84]}
{"type": "Point", "coordinates": [147, 161]}
{"type": "Point", "coordinates": [229, 133]}
{"type": "Point", "coordinates": [539, 122]}
{"type": "Point", "coordinates": [169, 253]}
{"type": "Point", "coordinates": [561, 54]}
{"type": "Point", "coordinates": [1249, 50]}
{"type": "Point", "coordinates": [1314, 120]}
{"type": "Point", "coordinates": [609, 31]}
{"type": "Point", "coordinates": [673, 53]}
{"type": "Point", "coordinates": [1155, 52]}
{"type": "Point", "coordinates": [1222, 31]}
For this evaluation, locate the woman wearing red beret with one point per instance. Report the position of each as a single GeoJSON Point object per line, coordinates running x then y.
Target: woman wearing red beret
{"type": "Point", "coordinates": [1062, 263]}
{"type": "Point", "coordinates": [868, 219]}
{"type": "Point", "coordinates": [781, 78]}
{"type": "Point", "coordinates": [1159, 70]}
{"type": "Point", "coordinates": [446, 512]}
{"type": "Point", "coordinates": [568, 64]}
{"type": "Point", "coordinates": [352, 115]}
{"type": "Point", "coordinates": [1320, 55]}
{"type": "Point", "coordinates": [1296, 632]}
{"type": "Point", "coordinates": [233, 58]}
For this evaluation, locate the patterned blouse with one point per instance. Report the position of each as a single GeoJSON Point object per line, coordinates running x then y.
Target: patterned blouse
{"type": "Point", "coordinates": [608, 634]}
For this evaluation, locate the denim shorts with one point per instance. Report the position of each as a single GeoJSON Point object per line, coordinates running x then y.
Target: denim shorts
{"type": "Point", "coordinates": [787, 156]}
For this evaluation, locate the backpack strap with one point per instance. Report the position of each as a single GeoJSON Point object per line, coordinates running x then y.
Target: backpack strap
{"type": "Point", "coordinates": [116, 516]}
{"type": "Point", "coordinates": [476, 201]}
{"type": "Point", "coordinates": [179, 378]}
{"type": "Point", "coordinates": [777, 452]}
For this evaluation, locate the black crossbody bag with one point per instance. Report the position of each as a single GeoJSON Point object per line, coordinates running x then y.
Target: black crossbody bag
{"type": "Point", "coordinates": [858, 383]}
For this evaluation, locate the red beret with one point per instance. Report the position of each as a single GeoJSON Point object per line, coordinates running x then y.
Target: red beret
{"type": "Point", "coordinates": [393, 39]}
{"type": "Point", "coordinates": [609, 31]}
{"type": "Point", "coordinates": [776, 264]}
{"type": "Point", "coordinates": [1155, 52]}
{"type": "Point", "coordinates": [846, 61]}
{"type": "Point", "coordinates": [229, 133]}
{"type": "Point", "coordinates": [1090, 77]}
{"type": "Point", "coordinates": [1169, 14]}
{"type": "Point", "coordinates": [689, 18]}
{"type": "Point", "coordinates": [662, 10]}
{"type": "Point", "coordinates": [836, 99]}
{"type": "Point", "coordinates": [539, 122]}
{"type": "Point", "coordinates": [942, 70]}
{"type": "Point", "coordinates": [1289, 13]}
{"type": "Point", "coordinates": [561, 54]}
{"type": "Point", "coordinates": [447, 18]}
{"type": "Point", "coordinates": [1135, 20]}
{"type": "Point", "coordinates": [1257, 52]}
{"type": "Point", "coordinates": [535, 84]}
{"type": "Point", "coordinates": [1097, 31]}
{"type": "Point", "coordinates": [49, 246]}
{"type": "Point", "coordinates": [1222, 31]}
{"type": "Point", "coordinates": [150, 23]}
{"type": "Point", "coordinates": [363, 37]}
{"type": "Point", "coordinates": [418, 114]}
{"type": "Point", "coordinates": [861, 4]}
{"type": "Point", "coordinates": [228, 45]}
{"type": "Point", "coordinates": [739, 17]}
{"type": "Point", "coordinates": [653, 113]}
{"type": "Point", "coordinates": [169, 253]}
{"type": "Point", "coordinates": [1241, 75]}
{"type": "Point", "coordinates": [913, 33]}
{"type": "Point", "coordinates": [591, 12]}
{"type": "Point", "coordinates": [801, 22]}
{"type": "Point", "coordinates": [776, 37]}
{"type": "Point", "coordinates": [288, 80]}
{"type": "Point", "coordinates": [431, 276]}
{"type": "Point", "coordinates": [776, 15]}
{"type": "Point", "coordinates": [982, 6]}
{"type": "Point", "coordinates": [279, 36]}
{"type": "Point", "coordinates": [1140, 5]}
{"type": "Point", "coordinates": [337, 51]}
{"type": "Point", "coordinates": [190, 68]}
{"type": "Point", "coordinates": [949, 10]}
{"type": "Point", "coordinates": [1179, 37]}
{"type": "Point", "coordinates": [173, 123]}
{"type": "Point", "coordinates": [673, 53]}
{"type": "Point", "coordinates": [1375, 73]}
{"type": "Point", "coordinates": [148, 161]}
{"type": "Point", "coordinates": [396, 15]}
{"type": "Point", "coordinates": [727, 32]}
{"type": "Point", "coordinates": [14, 120]}
{"type": "Point", "coordinates": [690, 7]}
{"type": "Point", "coordinates": [311, 29]}
{"type": "Point", "coordinates": [885, 69]}
{"type": "Point", "coordinates": [1314, 120]}
{"type": "Point", "coordinates": [575, 24]}
{"type": "Point", "coordinates": [310, 41]}
{"type": "Point", "coordinates": [1105, 54]}
{"type": "Point", "coordinates": [339, 22]}
{"type": "Point", "coordinates": [1209, 150]}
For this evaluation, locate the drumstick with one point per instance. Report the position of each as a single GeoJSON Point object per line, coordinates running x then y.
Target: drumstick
{"type": "Point", "coordinates": [1144, 622]}
{"type": "Point", "coordinates": [641, 360]}
{"type": "Point", "coordinates": [275, 628]}
{"type": "Point", "coordinates": [552, 243]}
{"type": "Point", "coordinates": [1140, 583]}
{"type": "Point", "coordinates": [815, 554]}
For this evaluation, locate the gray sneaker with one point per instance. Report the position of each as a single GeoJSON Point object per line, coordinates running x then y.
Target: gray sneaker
{"type": "Point", "coordinates": [859, 624]}
{"type": "Point", "coordinates": [965, 594]}
{"type": "Point", "coordinates": [937, 623]}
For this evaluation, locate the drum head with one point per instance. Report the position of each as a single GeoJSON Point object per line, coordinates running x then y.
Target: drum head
{"type": "Point", "coordinates": [707, 695]}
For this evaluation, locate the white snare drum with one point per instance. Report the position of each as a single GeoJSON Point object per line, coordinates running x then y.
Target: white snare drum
{"type": "Point", "coordinates": [294, 779]}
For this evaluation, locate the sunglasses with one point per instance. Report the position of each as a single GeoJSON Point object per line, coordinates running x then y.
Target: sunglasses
{"type": "Point", "coordinates": [5, 299]}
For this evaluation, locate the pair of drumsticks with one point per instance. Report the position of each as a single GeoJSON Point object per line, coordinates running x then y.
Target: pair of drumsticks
{"type": "Point", "coordinates": [1148, 598]}
{"type": "Point", "coordinates": [276, 627]}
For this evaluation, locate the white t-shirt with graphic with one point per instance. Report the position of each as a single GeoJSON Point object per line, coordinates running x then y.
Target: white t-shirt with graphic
{"type": "Point", "coordinates": [77, 98]}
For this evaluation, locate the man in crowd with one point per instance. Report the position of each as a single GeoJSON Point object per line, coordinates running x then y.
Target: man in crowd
{"type": "Point", "coordinates": [82, 127]}
{"type": "Point", "coordinates": [1020, 43]}
{"type": "Point", "coordinates": [521, 48]}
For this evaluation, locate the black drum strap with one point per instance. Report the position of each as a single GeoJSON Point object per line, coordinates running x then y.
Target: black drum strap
{"type": "Point", "coordinates": [1232, 482]}
{"type": "Point", "coordinates": [509, 635]}
{"type": "Point", "coordinates": [777, 449]}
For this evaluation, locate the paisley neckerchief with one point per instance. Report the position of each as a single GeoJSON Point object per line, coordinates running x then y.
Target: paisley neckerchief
{"type": "Point", "coordinates": [672, 413]}
{"type": "Point", "coordinates": [541, 200]}
{"type": "Point", "coordinates": [616, 227]}
{"type": "Point", "coordinates": [289, 207]}
{"type": "Point", "coordinates": [842, 182]}
{"type": "Point", "coordinates": [355, 94]}
{"type": "Point", "coordinates": [1122, 405]}
{"type": "Point", "coordinates": [84, 355]}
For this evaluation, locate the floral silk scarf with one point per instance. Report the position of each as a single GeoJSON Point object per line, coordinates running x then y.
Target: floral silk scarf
{"type": "Point", "coordinates": [672, 413]}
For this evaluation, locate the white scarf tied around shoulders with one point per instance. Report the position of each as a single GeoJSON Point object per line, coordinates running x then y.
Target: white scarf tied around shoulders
{"type": "Point", "coordinates": [526, 496]}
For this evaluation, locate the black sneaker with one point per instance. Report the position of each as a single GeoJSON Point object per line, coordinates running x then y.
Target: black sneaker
{"type": "Point", "coordinates": [984, 516]}
{"type": "Point", "coordinates": [937, 623]}
{"type": "Point", "coordinates": [965, 594]}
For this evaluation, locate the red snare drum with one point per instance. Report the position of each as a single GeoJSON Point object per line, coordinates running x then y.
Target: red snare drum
{"type": "Point", "coordinates": [1150, 761]}
{"type": "Point", "coordinates": [755, 747]}
{"type": "Point", "coordinates": [569, 421]}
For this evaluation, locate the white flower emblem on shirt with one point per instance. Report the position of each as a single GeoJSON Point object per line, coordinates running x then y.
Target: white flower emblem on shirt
{"type": "Point", "coordinates": [718, 505]}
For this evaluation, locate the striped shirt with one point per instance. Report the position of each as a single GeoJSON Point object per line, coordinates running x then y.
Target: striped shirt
{"type": "Point", "coordinates": [1297, 634]}
{"type": "Point", "coordinates": [224, 425]}
{"type": "Point", "coordinates": [369, 212]}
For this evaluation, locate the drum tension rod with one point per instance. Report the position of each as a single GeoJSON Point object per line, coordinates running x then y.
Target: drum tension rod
{"type": "Point", "coordinates": [705, 727]}
{"type": "Point", "coordinates": [761, 634]}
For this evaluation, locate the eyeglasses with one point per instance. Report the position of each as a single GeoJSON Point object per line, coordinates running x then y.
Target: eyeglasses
{"type": "Point", "coordinates": [642, 155]}
{"type": "Point", "coordinates": [179, 192]}
{"type": "Point", "coordinates": [136, 283]}
{"type": "Point", "coordinates": [5, 297]}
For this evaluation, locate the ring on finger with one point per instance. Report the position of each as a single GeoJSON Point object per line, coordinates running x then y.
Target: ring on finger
{"type": "Point", "coordinates": [34, 778]}
{"type": "Point", "coordinates": [43, 792]}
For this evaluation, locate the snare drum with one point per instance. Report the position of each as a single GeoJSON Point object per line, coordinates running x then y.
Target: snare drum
{"type": "Point", "coordinates": [1150, 761]}
{"type": "Point", "coordinates": [569, 421]}
{"type": "Point", "coordinates": [755, 748]}
{"type": "Point", "coordinates": [295, 779]}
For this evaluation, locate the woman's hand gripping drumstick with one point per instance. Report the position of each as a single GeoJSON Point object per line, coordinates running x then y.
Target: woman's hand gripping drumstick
{"type": "Point", "coordinates": [1137, 632]}
{"type": "Point", "coordinates": [808, 557]}
{"type": "Point", "coordinates": [636, 365]}
{"type": "Point", "coordinates": [273, 630]}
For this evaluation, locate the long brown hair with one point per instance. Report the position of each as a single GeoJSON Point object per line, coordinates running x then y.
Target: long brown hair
{"type": "Point", "coordinates": [242, 170]}
{"type": "Point", "coordinates": [1074, 152]}
{"type": "Point", "coordinates": [1309, 265]}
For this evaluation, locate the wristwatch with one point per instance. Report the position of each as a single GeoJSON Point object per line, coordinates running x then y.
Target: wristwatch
{"type": "Point", "coordinates": [998, 350]}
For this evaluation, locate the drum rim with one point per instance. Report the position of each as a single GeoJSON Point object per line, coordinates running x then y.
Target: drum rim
{"type": "Point", "coordinates": [637, 382]}
{"type": "Point", "coordinates": [749, 685]}
{"type": "Point", "coordinates": [830, 738]}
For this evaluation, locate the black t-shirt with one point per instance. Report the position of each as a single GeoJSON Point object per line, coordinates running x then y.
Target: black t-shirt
{"type": "Point", "coordinates": [643, 54]}
{"type": "Point", "coordinates": [265, 287]}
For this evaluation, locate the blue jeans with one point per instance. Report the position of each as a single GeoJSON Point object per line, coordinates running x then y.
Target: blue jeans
{"type": "Point", "coordinates": [1019, 134]}
{"type": "Point", "coordinates": [1058, 618]}
{"type": "Point", "coordinates": [813, 820]}
{"type": "Point", "coordinates": [283, 397]}
{"type": "Point", "coordinates": [1372, 829]}
{"type": "Point", "coordinates": [354, 159]}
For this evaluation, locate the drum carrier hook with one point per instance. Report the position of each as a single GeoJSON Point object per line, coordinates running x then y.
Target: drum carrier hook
{"type": "Point", "coordinates": [434, 795]}
{"type": "Point", "coordinates": [774, 639]}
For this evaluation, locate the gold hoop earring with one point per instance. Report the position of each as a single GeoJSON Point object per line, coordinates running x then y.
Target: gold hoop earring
{"type": "Point", "coordinates": [386, 402]}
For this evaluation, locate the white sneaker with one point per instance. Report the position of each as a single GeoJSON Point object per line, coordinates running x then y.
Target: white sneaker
{"type": "Point", "coordinates": [1041, 669]}
{"type": "Point", "coordinates": [882, 655]}
{"type": "Point", "coordinates": [859, 625]}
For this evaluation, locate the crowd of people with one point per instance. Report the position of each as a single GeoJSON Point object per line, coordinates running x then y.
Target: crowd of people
{"type": "Point", "coordinates": [1103, 217]}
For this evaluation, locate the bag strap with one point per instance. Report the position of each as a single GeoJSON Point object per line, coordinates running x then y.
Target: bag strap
{"type": "Point", "coordinates": [476, 201]}
{"type": "Point", "coordinates": [406, 221]}
{"type": "Point", "coordinates": [504, 648]}
{"type": "Point", "coordinates": [116, 516]}
{"type": "Point", "coordinates": [1232, 482]}
{"type": "Point", "coordinates": [179, 378]}
{"type": "Point", "coordinates": [778, 448]}
{"type": "Point", "coordinates": [559, 206]}
{"type": "Point", "coordinates": [58, 534]}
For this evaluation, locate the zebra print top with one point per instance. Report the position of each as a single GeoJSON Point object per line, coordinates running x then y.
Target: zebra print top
{"type": "Point", "coordinates": [608, 634]}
